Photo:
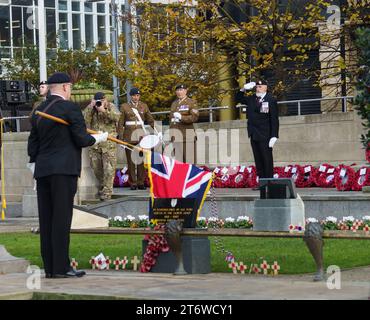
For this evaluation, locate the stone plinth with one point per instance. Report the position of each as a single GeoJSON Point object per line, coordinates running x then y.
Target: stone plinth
{"type": "Point", "coordinates": [278, 214]}
{"type": "Point", "coordinates": [196, 256]}
{"type": "Point", "coordinates": [10, 264]}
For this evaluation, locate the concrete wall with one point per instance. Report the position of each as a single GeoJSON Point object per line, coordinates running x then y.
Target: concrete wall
{"type": "Point", "coordinates": [313, 139]}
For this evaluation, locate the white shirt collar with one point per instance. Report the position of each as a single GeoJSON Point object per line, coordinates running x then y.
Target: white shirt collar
{"type": "Point", "coordinates": [55, 94]}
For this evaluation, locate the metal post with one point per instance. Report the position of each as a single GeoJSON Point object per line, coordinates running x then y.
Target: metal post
{"type": "Point", "coordinates": [128, 44]}
{"type": "Point", "coordinates": [42, 40]}
{"type": "Point", "coordinates": [344, 104]}
{"type": "Point", "coordinates": [115, 52]}
{"type": "Point", "coordinates": [210, 114]}
{"type": "Point", "coordinates": [299, 108]}
{"type": "Point", "coordinates": [342, 39]}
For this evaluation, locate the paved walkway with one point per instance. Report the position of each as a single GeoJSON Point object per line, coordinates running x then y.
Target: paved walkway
{"type": "Point", "coordinates": [355, 284]}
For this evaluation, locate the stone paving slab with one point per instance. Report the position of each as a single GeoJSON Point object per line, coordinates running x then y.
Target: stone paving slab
{"type": "Point", "coordinates": [215, 286]}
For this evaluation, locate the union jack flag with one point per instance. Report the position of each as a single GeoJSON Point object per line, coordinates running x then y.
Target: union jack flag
{"type": "Point", "coordinates": [170, 178]}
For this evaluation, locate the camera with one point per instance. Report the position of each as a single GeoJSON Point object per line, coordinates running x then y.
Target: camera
{"type": "Point", "coordinates": [98, 103]}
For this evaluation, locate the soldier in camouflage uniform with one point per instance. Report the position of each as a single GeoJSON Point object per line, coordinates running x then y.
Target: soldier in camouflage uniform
{"type": "Point", "coordinates": [183, 114]}
{"type": "Point", "coordinates": [101, 115]}
{"type": "Point", "coordinates": [130, 130]}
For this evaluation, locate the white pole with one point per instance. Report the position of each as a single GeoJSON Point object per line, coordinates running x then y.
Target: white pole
{"type": "Point", "coordinates": [42, 40]}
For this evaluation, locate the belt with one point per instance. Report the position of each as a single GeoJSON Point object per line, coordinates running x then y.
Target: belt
{"type": "Point", "coordinates": [133, 123]}
{"type": "Point", "coordinates": [136, 123]}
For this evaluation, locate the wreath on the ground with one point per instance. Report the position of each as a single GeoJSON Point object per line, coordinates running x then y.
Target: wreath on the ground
{"type": "Point", "coordinates": [306, 177]}
{"type": "Point", "coordinates": [278, 172]}
{"type": "Point", "coordinates": [362, 178]}
{"type": "Point", "coordinates": [344, 178]}
{"type": "Point", "coordinates": [325, 176]}
{"type": "Point", "coordinates": [121, 178]}
{"type": "Point", "coordinates": [251, 177]}
{"type": "Point", "coordinates": [238, 177]}
{"type": "Point", "coordinates": [156, 245]}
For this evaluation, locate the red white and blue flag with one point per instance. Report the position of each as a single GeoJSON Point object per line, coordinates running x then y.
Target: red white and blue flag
{"type": "Point", "coordinates": [170, 178]}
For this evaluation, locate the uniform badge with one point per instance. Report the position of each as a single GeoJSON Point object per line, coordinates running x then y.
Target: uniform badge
{"type": "Point", "coordinates": [184, 108]}
{"type": "Point", "coordinates": [264, 107]}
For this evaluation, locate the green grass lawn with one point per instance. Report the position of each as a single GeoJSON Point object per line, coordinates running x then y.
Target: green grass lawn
{"type": "Point", "coordinates": [291, 254]}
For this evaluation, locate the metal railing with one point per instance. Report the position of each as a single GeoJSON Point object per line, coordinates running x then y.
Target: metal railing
{"type": "Point", "coordinates": [299, 102]}
{"type": "Point", "coordinates": [17, 121]}
{"type": "Point", "coordinates": [210, 109]}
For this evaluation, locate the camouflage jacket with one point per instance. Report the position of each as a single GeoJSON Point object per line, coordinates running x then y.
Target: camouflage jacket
{"type": "Point", "coordinates": [103, 121]}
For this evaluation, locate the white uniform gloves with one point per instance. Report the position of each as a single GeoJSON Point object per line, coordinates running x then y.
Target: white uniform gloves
{"type": "Point", "coordinates": [177, 115]}
{"type": "Point", "coordinates": [100, 137]}
{"type": "Point", "coordinates": [248, 86]}
{"type": "Point", "coordinates": [272, 142]}
{"type": "Point", "coordinates": [31, 166]}
{"type": "Point", "coordinates": [160, 136]}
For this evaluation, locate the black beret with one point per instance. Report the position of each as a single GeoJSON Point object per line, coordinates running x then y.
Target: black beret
{"type": "Point", "coordinates": [181, 86]}
{"type": "Point", "coordinates": [134, 91]}
{"type": "Point", "coordinates": [59, 77]}
{"type": "Point", "coordinates": [43, 82]}
{"type": "Point", "coordinates": [99, 96]}
{"type": "Point", "coordinates": [261, 82]}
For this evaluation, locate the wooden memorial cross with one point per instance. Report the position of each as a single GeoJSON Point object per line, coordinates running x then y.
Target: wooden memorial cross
{"type": "Point", "coordinates": [264, 266]}
{"type": "Point", "coordinates": [92, 262]}
{"type": "Point", "coordinates": [74, 264]}
{"type": "Point", "coordinates": [275, 267]}
{"type": "Point", "coordinates": [135, 262]}
{"type": "Point", "coordinates": [234, 266]}
{"type": "Point", "coordinates": [108, 262]}
{"type": "Point", "coordinates": [124, 262]}
{"type": "Point", "coordinates": [117, 263]}
{"type": "Point", "coordinates": [242, 267]}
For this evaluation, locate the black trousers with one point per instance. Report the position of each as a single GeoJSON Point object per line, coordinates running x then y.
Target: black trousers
{"type": "Point", "coordinates": [263, 158]}
{"type": "Point", "coordinates": [55, 196]}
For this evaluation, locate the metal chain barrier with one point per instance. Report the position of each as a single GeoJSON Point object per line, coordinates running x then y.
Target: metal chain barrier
{"type": "Point", "coordinates": [220, 247]}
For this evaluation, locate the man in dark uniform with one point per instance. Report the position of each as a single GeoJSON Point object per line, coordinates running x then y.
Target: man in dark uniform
{"type": "Point", "coordinates": [55, 159]}
{"type": "Point", "coordinates": [131, 126]}
{"type": "Point", "coordinates": [183, 115]}
{"type": "Point", "coordinates": [263, 125]}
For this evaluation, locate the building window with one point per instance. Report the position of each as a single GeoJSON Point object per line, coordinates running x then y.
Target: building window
{"type": "Point", "coordinates": [89, 31]}
{"type": "Point", "coordinates": [76, 31]}
{"type": "Point", "coordinates": [17, 26]}
{"type": "Point", "coordinates": [101, 29]}
{"type": "Point", "coordinates": [88, 7]}
{"type": "Point", "coordinates": [63, 31]}
{"type": "Point", "coordinates": [100, 7]}
{"type": "Point", "coordinates": [63, 5]}
{"type": "Point", "coordinates": [75, 6]}
{"type": "Point", "coordinates": [28, 25]}
{"type": "Point", "coordinates": [49, 3]}
{"type": "Point", "coordinates": [5, 27]}
{"type": "Point", "coordinates": [50, 28]}
{"type": "Point", "coordinates": [22, 2]}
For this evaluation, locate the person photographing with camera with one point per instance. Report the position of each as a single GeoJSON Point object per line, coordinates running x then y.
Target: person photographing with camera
{"type": "Point", "coordinates": [101, 115]}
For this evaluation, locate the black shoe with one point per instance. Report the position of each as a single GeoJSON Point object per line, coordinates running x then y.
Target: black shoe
{"type": "Point", "coordinates": [141, 187]}
{"type": "Point", "coordinates": [70, 274]}
{"type": "Point", "coordinates": [48, 275]}
{"type": "Point", "coordinates": [256, 188]}
{"type": "Point", "coordinates": [133, 187]}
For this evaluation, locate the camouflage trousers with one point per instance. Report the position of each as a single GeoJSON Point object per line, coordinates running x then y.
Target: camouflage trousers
{"type": "Point", "coordinates": [103, 162]}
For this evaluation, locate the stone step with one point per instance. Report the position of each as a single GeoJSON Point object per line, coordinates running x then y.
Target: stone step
{"type": "Point", "coordinates": [10, 264]}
